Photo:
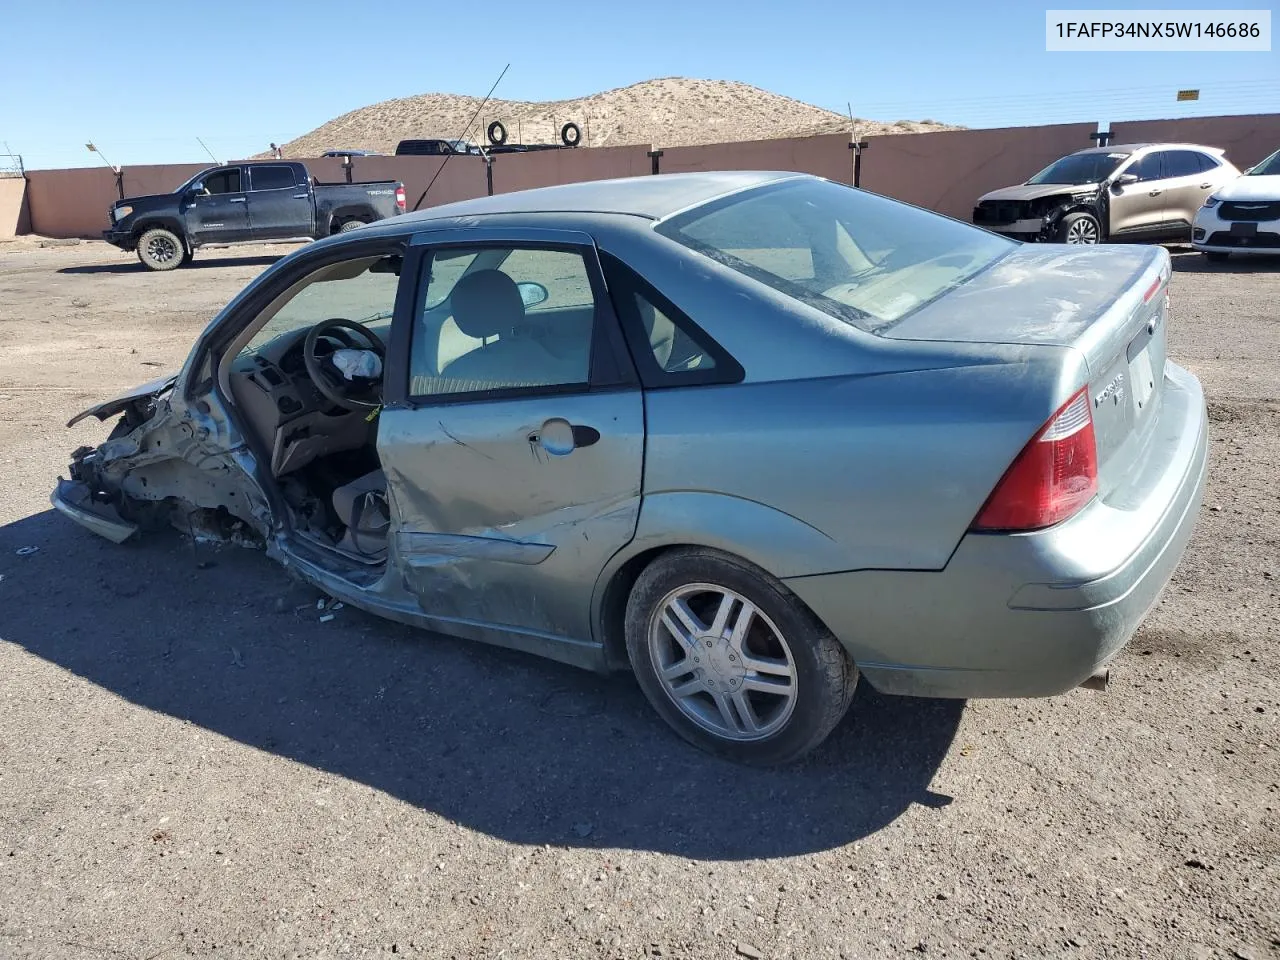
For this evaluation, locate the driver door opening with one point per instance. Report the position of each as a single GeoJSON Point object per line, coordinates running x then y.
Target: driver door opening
{"type": "Point", "coordinates": [306, 378]}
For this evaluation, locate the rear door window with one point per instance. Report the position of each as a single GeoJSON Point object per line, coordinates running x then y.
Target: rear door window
{"type": "Point", "coordinates": [1182, 163]}
{"type": "Point", "coordinates": [275, 177]}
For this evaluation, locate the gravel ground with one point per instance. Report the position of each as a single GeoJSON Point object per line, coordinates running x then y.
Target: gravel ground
{"type": "Point", "coordinates": [192, 764]}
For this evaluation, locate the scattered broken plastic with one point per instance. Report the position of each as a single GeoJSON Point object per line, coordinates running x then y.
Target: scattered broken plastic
{"type": "Point", "coordinates": [357, 363]}
{"type": "Point", "coordinates": [26, 551]}
{"type": "Point", "coordinates": [326, 618]}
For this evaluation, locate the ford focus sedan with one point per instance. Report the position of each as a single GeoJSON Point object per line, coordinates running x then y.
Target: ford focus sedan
{"type": "Point", "coordinates": [750, 435]}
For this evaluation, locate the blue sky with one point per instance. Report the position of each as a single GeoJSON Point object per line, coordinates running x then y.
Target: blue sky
{"type": "Point", "coordinates": [243, 73]}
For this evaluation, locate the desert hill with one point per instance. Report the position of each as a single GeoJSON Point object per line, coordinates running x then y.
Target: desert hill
{"type": "Point", "coordinates": [670, 112]}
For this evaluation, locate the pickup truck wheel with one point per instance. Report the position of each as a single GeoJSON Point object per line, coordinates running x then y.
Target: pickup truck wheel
{"type": "Point", "coordinates": [1079, 228]}
{"type": "Point", "coordinates": [161, 249]}
{"type": "Point", "coordinates": [349, 225]}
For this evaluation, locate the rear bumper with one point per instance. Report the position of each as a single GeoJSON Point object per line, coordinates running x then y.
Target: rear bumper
{"type": "Point", "coordinates": [1029, 615]}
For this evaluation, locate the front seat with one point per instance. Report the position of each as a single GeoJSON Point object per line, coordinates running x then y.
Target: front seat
{"type": "Point", "coordinates": [487, 305]}
{"type": "Point", "coordinates": [362, 507]}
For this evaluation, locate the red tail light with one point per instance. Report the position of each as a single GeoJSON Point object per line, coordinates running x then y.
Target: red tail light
{"type": "Point", "coordinates": [1054, 476]}
{"type": "Point", "coordinates": [400, 197]}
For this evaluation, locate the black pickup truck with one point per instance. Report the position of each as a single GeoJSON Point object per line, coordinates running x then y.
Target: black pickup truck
{"type": "Point", "coordinates": [245, 203]}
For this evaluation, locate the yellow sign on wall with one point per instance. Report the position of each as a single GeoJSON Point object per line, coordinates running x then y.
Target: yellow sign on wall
{"type": "Point", "coordinates": [1188, 95]}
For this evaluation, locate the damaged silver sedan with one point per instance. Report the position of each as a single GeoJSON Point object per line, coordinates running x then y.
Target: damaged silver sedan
{"type": "Point", "coordinates": [750, 435]}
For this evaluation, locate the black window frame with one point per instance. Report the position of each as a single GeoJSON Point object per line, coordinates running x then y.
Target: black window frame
{"type": "Point", "coordinates": [253, 176]}
{"type": "Point", "coordinates": [625, 282]}
{"type": "Point", "coordinates": [609, 369]}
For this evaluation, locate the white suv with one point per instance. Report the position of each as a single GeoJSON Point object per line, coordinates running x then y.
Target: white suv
{"type": "Point", "coordinates": [1243, 216]}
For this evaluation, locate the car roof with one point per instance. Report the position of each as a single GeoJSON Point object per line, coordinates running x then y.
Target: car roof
{"type": "Point", "coordinates": [1135, 147]}
{"type": "Point", "coordinates": [652, 197]}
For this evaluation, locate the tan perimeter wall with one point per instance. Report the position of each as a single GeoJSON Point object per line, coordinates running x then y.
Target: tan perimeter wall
{"type": "Point", "coordinates": [946, 171]}
{"type": "Point", "coordinates": [13, 207]}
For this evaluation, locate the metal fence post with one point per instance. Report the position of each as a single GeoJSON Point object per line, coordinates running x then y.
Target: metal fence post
{"type": "Point", "coordinates": [857, 146]}
{"type": "Point", "coordinates": [654, 155]}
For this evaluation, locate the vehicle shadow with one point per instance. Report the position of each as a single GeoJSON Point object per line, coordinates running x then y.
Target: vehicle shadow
{"type": "Point", "coordinates": [134, 266]}
{"type": "Point", "coordinates": [1195, 262]}
{"type": "Point", "coordinates": [520, 748]}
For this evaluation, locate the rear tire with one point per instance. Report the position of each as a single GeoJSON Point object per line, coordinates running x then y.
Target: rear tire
{"type": "Point", "coordinates": [770, 654]}
{"type": "Point", "coordinates": [161, 249]}
{"type": "Point", "coordinates": [349, 225]}
{"type": "Point", "coordinates": [1079, 228]}
{"type": "Point", "coordinates": [1216, 257]}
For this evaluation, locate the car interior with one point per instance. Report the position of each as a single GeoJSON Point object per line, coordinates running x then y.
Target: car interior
{"type": "Point", "coordinates": [306, 379]}
{"type": "Point", "coordinates": [306, 375]}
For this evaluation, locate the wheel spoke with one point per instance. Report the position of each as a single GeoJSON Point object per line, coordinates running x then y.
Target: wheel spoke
{"type": "Point", "coordinates": [682, 624]}
{"type": "Point", "coordinates": [770, 666]}
{"type": "Point", "coordinates": [778, 688]}
{"type": "Point", "coordinates": [679, 669]}
{"type": "Point", "coordinates": [722, 613]}
{"type": "Point", "coordinates": [746, 712]}
{"type": "Point", "coordinates": [741, 626]}
{"type": "Point", "coordinates": [730, 716]}
{"type": "Point", "coordinates": [687, 689]}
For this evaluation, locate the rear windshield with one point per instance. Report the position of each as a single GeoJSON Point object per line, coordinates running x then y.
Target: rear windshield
{"type": "Point", "coordinates": [856, 256]}
{"type": "Point", "coordinates": [1080, 168]}
{"type": "Point", "coordinates": [1269, 167]}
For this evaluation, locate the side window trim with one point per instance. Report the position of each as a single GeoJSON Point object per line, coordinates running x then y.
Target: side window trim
{"type": "Point", "coordinates": [609, 367]}
{"type": "Point", "coordinates": [624, 284]}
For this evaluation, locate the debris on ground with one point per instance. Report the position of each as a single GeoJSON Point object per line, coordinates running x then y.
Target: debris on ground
{"type": "Point", "coordinates": [26, 551]}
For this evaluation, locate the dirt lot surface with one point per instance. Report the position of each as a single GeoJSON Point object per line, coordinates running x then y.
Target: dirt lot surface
{"type": "Point", "coordinates": [191, 766]}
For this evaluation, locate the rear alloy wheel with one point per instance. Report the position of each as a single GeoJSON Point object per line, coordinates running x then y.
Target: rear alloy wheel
{"type": "Point", "coordinates": [1079, 228]}
{"type": "Point", "coordinates": [350, 225]}
{"type": "Point", "coordinates": [732, 661]}
{"type": "Point", "coordinates": [161, 249]}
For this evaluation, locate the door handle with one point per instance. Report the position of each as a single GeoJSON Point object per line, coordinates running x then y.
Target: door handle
{"type": "Point", "coordinates": [238, 199]}
{"type": "Point", "coordinates": [300, 196]}
{"type": "Point", "coordinates": [1155, 193]}
{"type": "Point", "coordinates": [560, 438]}
{"type": "Point", "coordinates": [1205, 186]}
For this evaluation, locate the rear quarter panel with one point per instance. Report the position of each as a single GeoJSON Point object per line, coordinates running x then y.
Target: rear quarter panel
{"type": "Point", "coordinates": [842, 473]}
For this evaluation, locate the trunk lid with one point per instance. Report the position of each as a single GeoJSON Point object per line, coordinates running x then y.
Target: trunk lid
{"type": "Point", "coordinates": [1109, 303]}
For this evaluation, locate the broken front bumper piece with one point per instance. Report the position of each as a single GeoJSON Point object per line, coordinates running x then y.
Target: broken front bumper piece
{"type": "Point", "coordinates": [74, 499]}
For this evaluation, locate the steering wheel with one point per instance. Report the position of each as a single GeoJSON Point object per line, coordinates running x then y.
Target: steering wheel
{"type": "Point", "coordinates": [328, 381]}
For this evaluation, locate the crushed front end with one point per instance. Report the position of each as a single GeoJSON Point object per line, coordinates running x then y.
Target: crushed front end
{"type": "Point", "coordinates": [156, 468]}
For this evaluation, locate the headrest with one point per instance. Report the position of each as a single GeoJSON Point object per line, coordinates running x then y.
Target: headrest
{"type": "Point", "coordinates": [487, 303]}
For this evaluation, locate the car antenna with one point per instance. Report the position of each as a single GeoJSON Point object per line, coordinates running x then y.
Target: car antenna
{"type": "Point", "coordinates": [209, 152]}
{"type": "Point", "coordinates": [464, 133]}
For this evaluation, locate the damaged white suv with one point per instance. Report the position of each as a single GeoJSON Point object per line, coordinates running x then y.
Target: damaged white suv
{"type": "Point", "coordinates": [1146, 192]}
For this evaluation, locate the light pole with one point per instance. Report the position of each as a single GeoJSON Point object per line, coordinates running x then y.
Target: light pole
{"type": "Point", "coordinates": [112, 167]}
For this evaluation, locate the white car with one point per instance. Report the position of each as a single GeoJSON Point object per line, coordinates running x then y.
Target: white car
{"type": "Point", "coordinates": [1243, 216]}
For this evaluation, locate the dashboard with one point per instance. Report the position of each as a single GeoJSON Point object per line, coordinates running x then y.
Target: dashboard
{"type": "Point", "coordinates": [274, 392]}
